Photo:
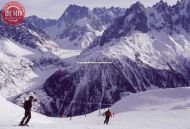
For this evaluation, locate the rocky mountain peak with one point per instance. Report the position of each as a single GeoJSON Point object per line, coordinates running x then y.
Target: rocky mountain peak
{"type": "Point", "coordinates": [161, 6]}
{"type": "Point", "coordinates": [40, 22]}
{"type": "Point", "coordinates": [134, 19]}
{"type": "Point", "coordinates": [136, 7]}
{"type": "Point", "coordinates": [74, 13]}
{"type": "Point", "coordinates": [183, 5]}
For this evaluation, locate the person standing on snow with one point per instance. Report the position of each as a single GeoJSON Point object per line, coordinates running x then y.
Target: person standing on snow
{"type": "Point", "coordinates": [27, 108]}
{"type": "Point", "coordinates": [108, 115]}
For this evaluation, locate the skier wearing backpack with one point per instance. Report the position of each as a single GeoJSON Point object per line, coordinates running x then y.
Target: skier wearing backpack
{"type": "Point", "coordinates": [108, 115]}
{"type": "Point", "coordinates": [27, 108]}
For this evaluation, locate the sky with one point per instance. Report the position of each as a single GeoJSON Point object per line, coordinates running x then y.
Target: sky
{"type": "Point", "coordinates": [54, 8]}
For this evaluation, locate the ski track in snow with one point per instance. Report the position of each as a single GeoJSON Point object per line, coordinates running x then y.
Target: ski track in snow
{"type": "Point", "coordinates": [136, 118]}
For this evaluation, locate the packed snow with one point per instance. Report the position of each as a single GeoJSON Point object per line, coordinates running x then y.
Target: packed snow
{"type": "Point", "coordinates": [156, 109]}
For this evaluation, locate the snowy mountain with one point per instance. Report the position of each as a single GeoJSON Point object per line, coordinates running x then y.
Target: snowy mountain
{"type": "Point", "coordinates": [160, 17]}
{"type": "Point", "coordinates": [144, 49]}
{"type": "Point", "coordinates": [123, 50]}
{"type": "Point", "coordinates": [168, 108]}
{"type": "Point", "coordinates": [28, 57]}
{"type": "Point", "coordinates": [25, 33]}
{"type": "Point", "coordinates": [79, 26]}
{"type": "Point", "coordinates": [39, 22]}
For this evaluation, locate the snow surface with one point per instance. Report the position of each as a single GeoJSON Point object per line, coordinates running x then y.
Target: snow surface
{"type": "Point", "coordinates": [157, 109]}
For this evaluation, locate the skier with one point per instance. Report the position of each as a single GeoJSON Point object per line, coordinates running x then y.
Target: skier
{"type": "Point", "coordinates": [108, 115]}
{"type": "Point", "coordinates": [27, 108]}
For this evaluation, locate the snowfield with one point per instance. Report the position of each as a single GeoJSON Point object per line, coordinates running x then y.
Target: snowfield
{"type": "Point", "coordinates": [156, 109]}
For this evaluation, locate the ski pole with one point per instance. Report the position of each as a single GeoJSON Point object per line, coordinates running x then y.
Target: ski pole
{"type": "Point", "coordinates": [16, 117]}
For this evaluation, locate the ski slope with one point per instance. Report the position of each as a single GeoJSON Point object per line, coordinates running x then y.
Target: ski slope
{"type": "Point", "coordinates": [157, 109]}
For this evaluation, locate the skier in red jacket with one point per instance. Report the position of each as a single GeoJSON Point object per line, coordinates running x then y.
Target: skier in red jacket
{"type": "Point", "coordinates": [108, 115]}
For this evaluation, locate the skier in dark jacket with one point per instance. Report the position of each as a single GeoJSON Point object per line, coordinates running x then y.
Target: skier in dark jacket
{"type": "Point", "coordinates": [108, 115]}
{"type": "Point", "coordinates": [27, 108]}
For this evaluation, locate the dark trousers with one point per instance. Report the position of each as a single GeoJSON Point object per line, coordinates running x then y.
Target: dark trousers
{"type": "Point", "coordinates": [106, 120]}
{"type": "Point", "coordinates": [26, 117]}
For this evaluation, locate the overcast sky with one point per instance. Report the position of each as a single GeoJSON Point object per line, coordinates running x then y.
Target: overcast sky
{"type": "Point", "coordinates": [55, 8]}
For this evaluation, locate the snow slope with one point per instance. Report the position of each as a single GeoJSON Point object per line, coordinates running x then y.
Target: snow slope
{"type": "Point", "coordinates": [10, 111]}
{"type": "Point", "coordinates": [158, 109]}
{"type": "Point", "coordinates": [23, 68]}
{"type": "Point", "coordinates": [161, 99]}
{"type": "Point", "coordinates": [153, 48]}
{"type": "Point", "coordinates": [15, 69]}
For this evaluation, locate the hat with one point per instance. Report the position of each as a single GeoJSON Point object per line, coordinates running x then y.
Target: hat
{"type": "Point", "coordinates": [31, 97]}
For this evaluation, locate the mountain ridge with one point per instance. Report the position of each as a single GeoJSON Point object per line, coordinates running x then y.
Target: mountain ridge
{"type": "Point", "coordinates": [148, 49]}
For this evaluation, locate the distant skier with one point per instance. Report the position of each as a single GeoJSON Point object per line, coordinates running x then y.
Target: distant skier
{"type": "Point", "coordinates": [108, 115]}
{"type": "Point", "coordinates": [27, 108]}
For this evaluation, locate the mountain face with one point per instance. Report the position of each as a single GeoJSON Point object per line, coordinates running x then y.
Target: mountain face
{"type": "Point", "coordinates": [79, 26]}
{"type": "Point", "coordinates": [39, 22]}
{"type": "Point", "coordinates": [94, 87]}
{"type": "Point", "coordinates": [172, 17]}
{"type": "Point", "coordinates": [134, 19]}
{"type": "Point", "coordinates": [24, 34]}
{"type": "Point", "coordinates": [74, 13]}
{"type": "Point", "coordinates": [27, 57]}
{"type": "Point", "coordinates": [160, 17]}
{"type": "Point", "coordinates": [143, 49]}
